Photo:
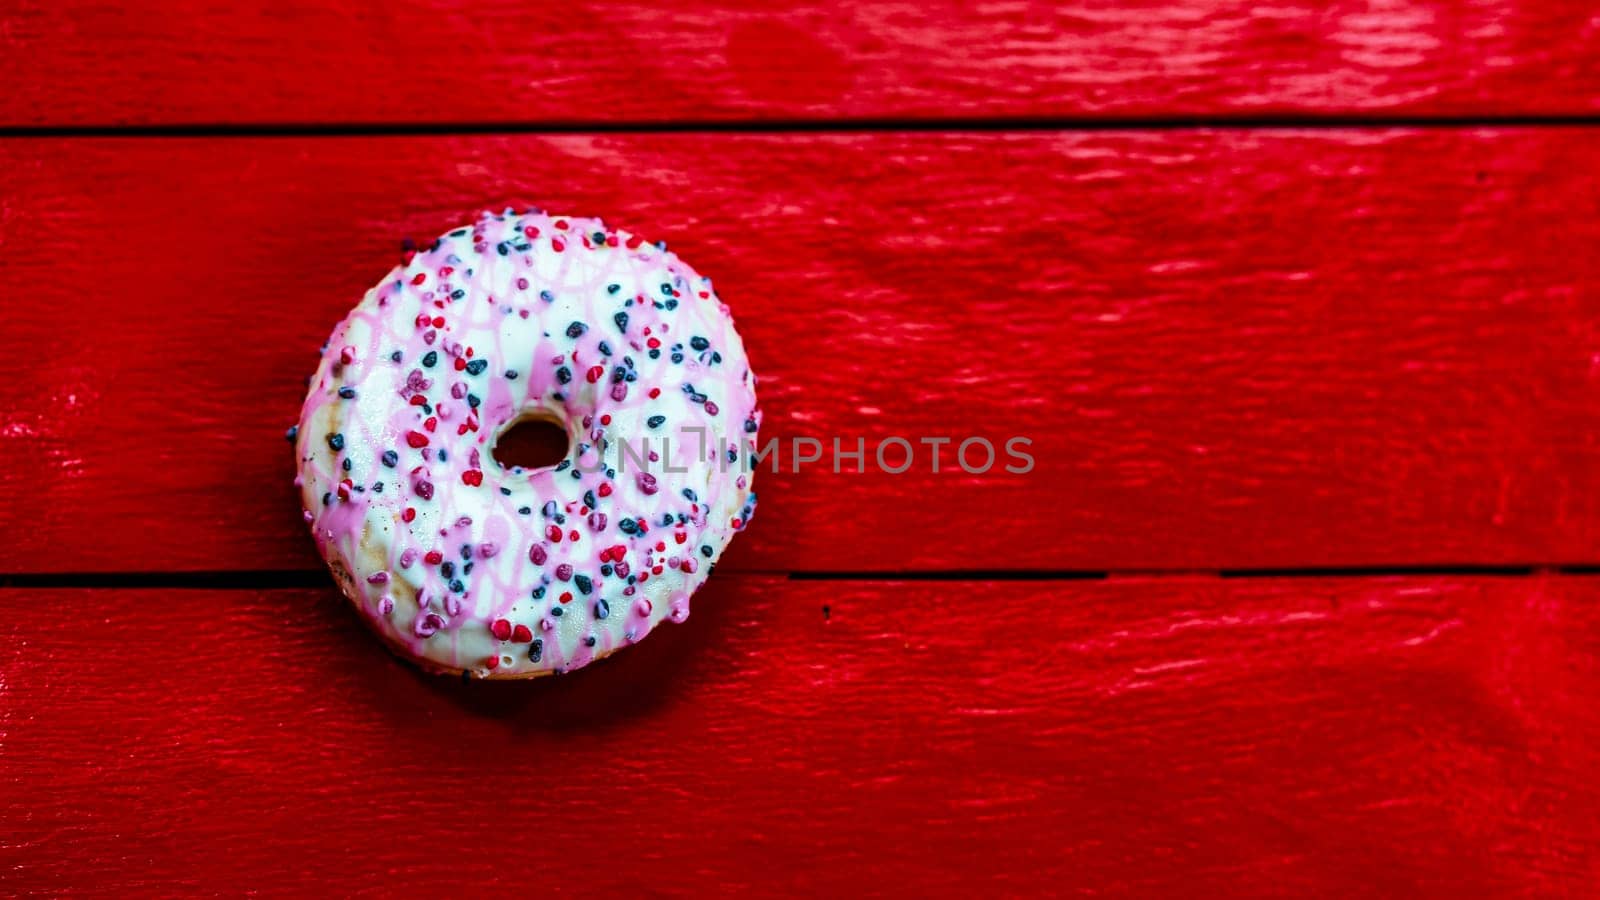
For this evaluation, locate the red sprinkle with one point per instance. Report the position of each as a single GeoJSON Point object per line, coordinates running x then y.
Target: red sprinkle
{"type": "Point", "coordinates": [566, 597]}
{"type": "Point", "coordinates": [416, 439]}
{"type": "Point", "coordinates": [501, 629]}
{"type": "Point", "coordinates": [605, 489]}
{"type": "Point", "coordinates": [408, 515]}
{"type": "Point", "coordinates": [595, 372]}
{"type": "Point", "coordinates": [419, 278]}
{"type": "Point", "coordinates": [553, 533]}
{"type": "Point", "coordinates": [433, 558]}
{"type": "Point", "coordinates": [475, 478]}
{"type": "Point", "coordinates": [522, 635]}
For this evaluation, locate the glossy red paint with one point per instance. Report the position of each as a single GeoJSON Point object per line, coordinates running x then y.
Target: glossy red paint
{"type": "Point", "coordinates": [440, 61]}
{"type": "Point", "coordinates": [1174, 736]}
{"type": "Point", "coordinates": [1230, 349]}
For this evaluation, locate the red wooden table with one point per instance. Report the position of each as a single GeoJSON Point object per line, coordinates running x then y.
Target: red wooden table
{"type": "Point", "coordinates": [1296, 301]}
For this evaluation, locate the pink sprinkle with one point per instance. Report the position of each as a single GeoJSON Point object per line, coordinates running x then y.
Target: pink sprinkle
{"type": "Point", "coordinates": [347, 355]}
{"type": "Point", "coordinates": [488, 549]}
{"type": "Point", "coordinates": [407, 558]}
{"type": "Point", "coordinates": [378, 578]}
{"type": "Point", "coordinates": [386, 605]}
{"type": "Point", "coordinates": [428, 625]}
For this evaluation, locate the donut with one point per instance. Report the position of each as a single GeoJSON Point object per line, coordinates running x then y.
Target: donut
{"type": "Point", "coordinates": [466, 566]}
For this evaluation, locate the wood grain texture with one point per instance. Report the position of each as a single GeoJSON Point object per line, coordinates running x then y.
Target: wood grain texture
{"type": "Point", "coordinates": [1306, 737]}
{"type": "Point", "coordinates": [1230, 349]}
{"type": "Point", "coordinates": [438, 61]}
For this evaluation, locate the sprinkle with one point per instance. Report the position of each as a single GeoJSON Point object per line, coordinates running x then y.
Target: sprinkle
{"type": "Point", "coordinates": [390, 458]}
{"type": "Point", "coordinates": [477, 366]}
{"type": "Point", "coordinates": [576, 329]}
{"type": "Point", "coordinates": [521, 634]}
{"type": "Point", "coordinates": [501, 629]}
{"type": "Point", "coordinates": [416, 439]}
{"type": "Point", "coordinates": [347, 393]}
{"type": "Point", "coordinates": [378, 578]}
{"type": "Point", "coordinates": [294, 430]}
{"type": "Point", "coordinates": [427, 626]}
{"type": "Point", "coordinates": [602, 609]}
{"type": "Point", "coordinates": [656, 421]}
{"type": "Point", "coordinates": [537, 555]}
{"type": "Point", "coordinates": [472, 477]}
{"type": "Point", "coordinates": [336, 441]}
{"type": "Point", "coordinates": [647, 483]}
{"type": "Point", "coordinates": [430, 359]}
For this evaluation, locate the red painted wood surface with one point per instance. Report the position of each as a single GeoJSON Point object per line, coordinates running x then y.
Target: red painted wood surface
{"type": "Point", "coordinates": [1230, 349]}
{"type": "Point", "coordinates": [1173, 736]}
{"type": "Point", "coordinates": [438, 61]}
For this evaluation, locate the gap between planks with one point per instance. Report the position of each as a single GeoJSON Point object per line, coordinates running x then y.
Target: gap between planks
{"type": "Point", "coordinates": [269, 579]}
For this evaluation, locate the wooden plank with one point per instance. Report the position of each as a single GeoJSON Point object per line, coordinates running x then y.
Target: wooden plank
{"type": "Point", "coordinates": [1172, 736]}
{"type": "Point", "coordinates": [1230, 349]}
{"type": "Point", "coordinates": [436, 61]}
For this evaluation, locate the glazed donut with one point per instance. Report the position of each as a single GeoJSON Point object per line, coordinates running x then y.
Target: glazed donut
{"type": "Point", "coordinates": [466, 566]}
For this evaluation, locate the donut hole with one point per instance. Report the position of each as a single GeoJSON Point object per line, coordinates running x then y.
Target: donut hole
{"type": "Point", "coordinates": [533, 441]}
